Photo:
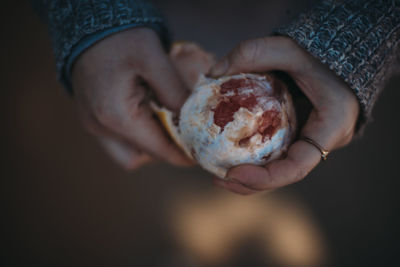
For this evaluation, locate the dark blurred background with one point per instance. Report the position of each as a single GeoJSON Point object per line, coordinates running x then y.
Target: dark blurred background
{"type": "Point", "coordinates": [65, 203]}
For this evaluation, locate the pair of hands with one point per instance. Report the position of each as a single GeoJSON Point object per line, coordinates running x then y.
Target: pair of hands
{"type": "Point", "coordinates": [112, 81]}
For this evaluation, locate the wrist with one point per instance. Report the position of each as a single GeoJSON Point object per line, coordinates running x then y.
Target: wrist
{"type": "Point", "coordinates": [92, 41]}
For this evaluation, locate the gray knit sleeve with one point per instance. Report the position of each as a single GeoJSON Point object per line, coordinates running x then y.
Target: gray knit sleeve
{"type": "Point", "coordinates": [74, 25]}
{"type": "Point", "coordinates": [358, 40]}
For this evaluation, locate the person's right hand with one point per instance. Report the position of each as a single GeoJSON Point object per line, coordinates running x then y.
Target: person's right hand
{"type": "Point", "coordinates": [111, 81]}
{"type": "Point", "coordinates": [331, 123]}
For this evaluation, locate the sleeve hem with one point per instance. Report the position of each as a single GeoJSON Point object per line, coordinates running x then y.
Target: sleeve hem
{"type": "Point", "coordinates": [91, 39]}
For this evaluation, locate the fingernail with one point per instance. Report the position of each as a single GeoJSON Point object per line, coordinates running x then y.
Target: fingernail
{"type": "Point", "coordinates": [231, 179]}
{"type": "Point", "coordinates": [219, 69]}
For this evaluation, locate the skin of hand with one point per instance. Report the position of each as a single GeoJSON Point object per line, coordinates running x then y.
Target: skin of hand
{"type": "Point", "coordinates": [112, 81]}
{"type": "Point", "coordinates": [191, 61]}
{"type": "Point", "coordinates": [331, 123]}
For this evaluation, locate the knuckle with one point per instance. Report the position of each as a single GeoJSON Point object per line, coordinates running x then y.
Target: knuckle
{"type": "Point", "coordinates": [269, 180]}
{"type": "Point", "coordinates": [348, 139]}
{"type": "Point", "coordinates": [301, 62]}
{"type": "Point", "coordinates": [348, 136]}
{"type": "Point", "coordinates": [348, 125]}
{"type": "Point", "coordinates": [136, 107]}
{"type": "Point", "coordinates": [299, 171]}
{"type": "Point", "coordinates": [300, 174]}
{"type": "Point", "coordinates": [105, 115]}
{"type": "Point", "coordinates": [246, 51]}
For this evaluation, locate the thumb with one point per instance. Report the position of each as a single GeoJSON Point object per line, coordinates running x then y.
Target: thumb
{"type": "Point", "coordinates": [258, 55]}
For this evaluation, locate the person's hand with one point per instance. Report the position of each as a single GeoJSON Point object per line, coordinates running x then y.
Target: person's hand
{"type": "Point", "coordinates": [111, 83]}
{"type": "Point", "coordinates": [331, 122]}
{"type": "Point", "coordinates": [191, 61]}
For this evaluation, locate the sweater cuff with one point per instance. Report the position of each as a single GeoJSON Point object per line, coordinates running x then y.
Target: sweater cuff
{"type": "Point", "coordinates": [358, 40]}
{"type": "Point", "coordinates": [91, 39]}
{"type": "Point", "coordinates": [76, 25]}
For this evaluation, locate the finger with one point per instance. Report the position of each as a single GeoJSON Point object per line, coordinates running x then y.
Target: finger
{"type": "Point", "coordinates": [137, 141]}
{"type": "Point", "coordinates": [327, 122]}
{"type": "Point", "coordinates": [120, 150]}
{"type": "Point", "coordinates": [142, 130]}
{"type": "Point", "coordinates": [234, 187]}
{"type": "Point", "coordinates": [301, 159]}
{"type": "Point", "coordinates": [165, 82]}
{"type": "Point", "coordinates": [127, 128]}
{"type": "Point", "coordinates": [125, 155]}
{"type": "Point", "coordinates": [263, 54]}
{"type": "Point", "coordinates": [325, 128]}
{"type": "Point", "coordinates": [281, 53]}
{"type": "Point", "coordinates": [129, 118]}
{"type": "Point", "coordinates": [191, 61]}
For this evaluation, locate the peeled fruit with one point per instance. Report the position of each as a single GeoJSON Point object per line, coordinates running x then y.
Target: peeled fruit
{"type": "Point", "coordinates": [233, 120]}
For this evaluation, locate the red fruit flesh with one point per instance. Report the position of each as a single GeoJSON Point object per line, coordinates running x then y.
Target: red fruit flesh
{"type": "Point", "coordinates": [223, 113]}
{"type": "Point", "coordinates": [235, 94]}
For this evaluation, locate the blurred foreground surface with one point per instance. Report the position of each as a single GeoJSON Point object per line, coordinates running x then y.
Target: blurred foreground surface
{"type": "Point", "coordinates": [64, 203]}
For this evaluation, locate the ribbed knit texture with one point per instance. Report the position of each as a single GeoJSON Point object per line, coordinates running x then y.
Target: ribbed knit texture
{"type": "Point", "coordinates": [358, 40]}
{"type": "Point", "coordinates": [70, 21]}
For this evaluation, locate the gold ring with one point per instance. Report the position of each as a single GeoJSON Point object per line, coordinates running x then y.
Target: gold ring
{"type": "Point", "coordinates": [324, 152]}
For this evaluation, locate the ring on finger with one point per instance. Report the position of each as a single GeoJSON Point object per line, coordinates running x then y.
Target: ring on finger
{"type": "Point", "coordinates": [324, 152]}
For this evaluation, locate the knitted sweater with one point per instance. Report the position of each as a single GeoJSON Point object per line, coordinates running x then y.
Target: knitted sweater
{"type": "Point", "coordinates": [75, 25]}
{"type": "Point", "coordinates": [358, 39]}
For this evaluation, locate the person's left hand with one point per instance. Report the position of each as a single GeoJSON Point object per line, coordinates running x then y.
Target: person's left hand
{"type": "Point", "coordinates": [113, 81]}
{"type": "Point", "coordinates": [331, 123]}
